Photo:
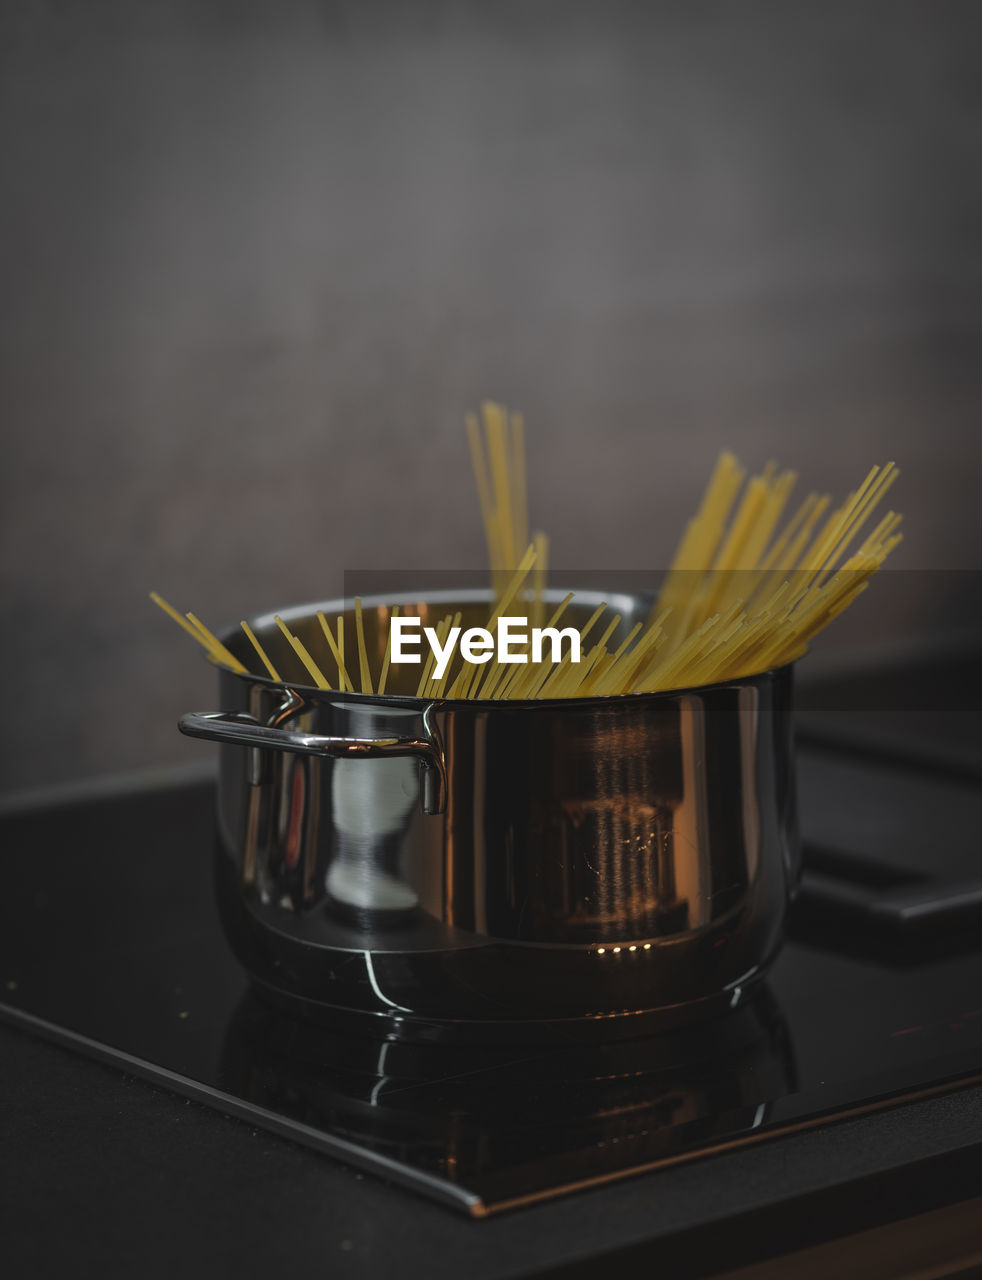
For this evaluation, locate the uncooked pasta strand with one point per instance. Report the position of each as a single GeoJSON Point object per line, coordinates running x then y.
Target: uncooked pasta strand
{"type": "Point", "coordinates": [171, 612]}
{"type": "Point", "coordinates": [223, 654]}
{"type": "Point", "coordinates": [541, 544]}
{"type": "Point", "coordinates": [364, 670]}
{"type": "Point", "coordinates": [483, 488]}
{"type": "Point", "coordinates": [518, 480]}
{"type": "Point", "coordinates": [301, 651]}
{"type": "Point", "coordinates": [273, 673]}
{"type": "Point", "coordinates": [494, 422]}
{"type": "Point", "coordinates": [344, 680]}
{"type": "Point", "coordinates": [341, 666]}
{"type": "Point", "coordinates": [388, 652]}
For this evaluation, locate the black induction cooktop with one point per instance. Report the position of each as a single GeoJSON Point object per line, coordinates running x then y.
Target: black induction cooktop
{"type": "Point", "coordinates": [109, 941]}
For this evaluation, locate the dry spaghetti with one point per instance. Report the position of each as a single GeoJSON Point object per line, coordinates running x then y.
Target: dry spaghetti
{"type": "Point", "coordinates": [744, 592]}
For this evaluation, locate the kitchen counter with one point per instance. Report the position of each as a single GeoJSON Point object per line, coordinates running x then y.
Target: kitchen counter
{"type": "Point", "coordinates": [109, 1175]}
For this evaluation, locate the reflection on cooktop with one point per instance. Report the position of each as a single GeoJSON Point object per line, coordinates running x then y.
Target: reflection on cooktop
{"type": "Point", "coordinates": [508, 1123]}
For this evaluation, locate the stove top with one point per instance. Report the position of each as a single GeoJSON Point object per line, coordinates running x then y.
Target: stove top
{"type": "Point", "coordinates": [109, 941]}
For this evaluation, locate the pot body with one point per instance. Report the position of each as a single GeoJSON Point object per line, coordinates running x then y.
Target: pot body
{"type": "Point", "coordinates": [543, 862]}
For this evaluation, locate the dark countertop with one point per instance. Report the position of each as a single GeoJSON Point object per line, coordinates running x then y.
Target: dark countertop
{"type": "Point", "coordinates": [105, 1171]}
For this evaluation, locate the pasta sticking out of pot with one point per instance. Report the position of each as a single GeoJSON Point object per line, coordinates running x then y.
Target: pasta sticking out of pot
{"type": "Point", "coordinates": [746, 591]}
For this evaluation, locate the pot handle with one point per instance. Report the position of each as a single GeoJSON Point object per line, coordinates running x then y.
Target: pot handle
{"type": "Point", "coordinates": [242, 730]}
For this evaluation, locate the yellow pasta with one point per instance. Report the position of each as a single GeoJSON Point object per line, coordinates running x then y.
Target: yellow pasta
{"type": "Point", "coordinates": [746, 591]}
{"type": "Point", "coordinates": [363, 667]}
{"type": "Point", "coordinates": [344, 680]}
{"type": "Point", "coordinates": [198, 631]}
{"type": "Point", "coordinates": [273, 673]}
{"type": "Point", "coordinates": [301, 651]}
{"type": "Point", "coordinates": [388, 652]}
{"type": "Point", "coordinates": [221, 653]}
{"type": "Point", "coordinates": [349, 687]}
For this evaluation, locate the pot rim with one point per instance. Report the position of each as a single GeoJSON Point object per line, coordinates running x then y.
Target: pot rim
{"type": "Point", "coordinates": [480, 594]}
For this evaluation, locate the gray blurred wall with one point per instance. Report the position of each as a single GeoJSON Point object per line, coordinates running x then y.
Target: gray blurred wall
{"type": "Point", "coordinates": [258, 259]}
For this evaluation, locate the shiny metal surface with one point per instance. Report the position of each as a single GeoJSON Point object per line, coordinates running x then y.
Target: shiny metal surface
{"type": "Point", "coordinates": [594, 857]}
{"type": "Point", "coordinates": [241, 729]}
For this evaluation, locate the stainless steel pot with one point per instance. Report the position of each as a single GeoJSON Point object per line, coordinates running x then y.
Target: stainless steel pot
{"type": "Point", "coordinates": [545, 864]}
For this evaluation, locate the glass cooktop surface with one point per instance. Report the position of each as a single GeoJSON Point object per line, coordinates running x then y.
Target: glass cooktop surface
{"type": "Point", "coordinates": [110, 942]}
